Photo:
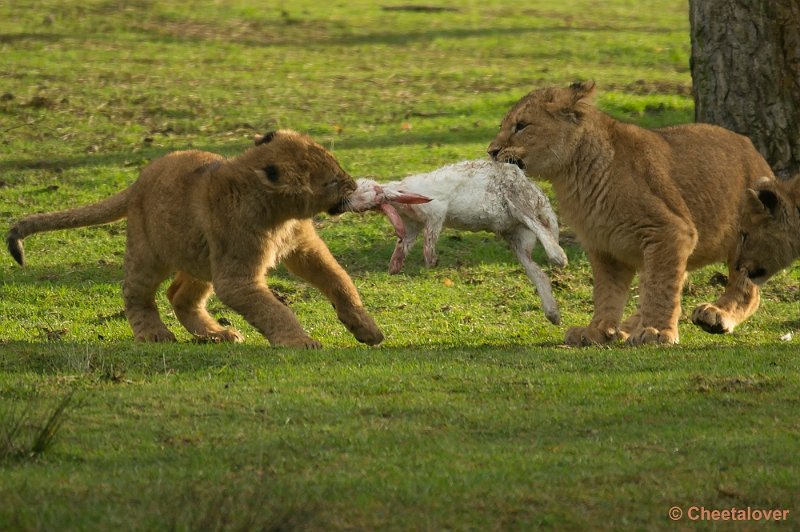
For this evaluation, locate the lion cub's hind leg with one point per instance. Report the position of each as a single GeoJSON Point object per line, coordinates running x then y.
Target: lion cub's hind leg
{"type": "Point", "coordinates": [188, 296]}
{"type": "Point", "coordinates": [142, 278]}
{"type": "Point", "coordinates": [737, 303]}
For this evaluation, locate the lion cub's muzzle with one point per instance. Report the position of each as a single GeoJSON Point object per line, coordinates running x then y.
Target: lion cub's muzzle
{"type": "Point", "coordinates": [339, 208]}
{"type": "Point", "coordinates": [498, 156]}
{"type": "Point", "coordinates": [346, 190]}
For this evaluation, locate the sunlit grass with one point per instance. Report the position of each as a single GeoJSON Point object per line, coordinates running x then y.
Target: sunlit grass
{"type": "Point", "coordinates": [472, 415]}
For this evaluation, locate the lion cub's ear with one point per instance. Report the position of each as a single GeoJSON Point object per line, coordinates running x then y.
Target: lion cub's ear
{"type": "Point", "coordinates": [573, 105]}
{"type": "Point", "coordinates": [259, 140]}
{"type": "Point", "coordinates": [763, 200]}
{"type": "Point", "coordinates": [583, 89]}
{"type": "Point", "coordinates": [270, 172]}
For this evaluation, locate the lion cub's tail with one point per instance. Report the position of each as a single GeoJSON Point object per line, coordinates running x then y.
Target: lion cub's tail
{"type": "Point", "coordinates": [105, 211]}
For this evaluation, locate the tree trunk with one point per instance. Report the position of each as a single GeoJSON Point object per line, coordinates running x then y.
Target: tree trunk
{"type": "Point", "coordinates": [746, 73]}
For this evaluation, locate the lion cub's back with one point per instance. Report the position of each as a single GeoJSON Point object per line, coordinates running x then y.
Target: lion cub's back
{"type": "Point", "coordinates": [712, 167]}
{"type": "Point", "coordinates": [176, 169]}
{"type": "Point", "coordinates": [712, 151]}
{"type": "Point", "coordinates": [166, 209]}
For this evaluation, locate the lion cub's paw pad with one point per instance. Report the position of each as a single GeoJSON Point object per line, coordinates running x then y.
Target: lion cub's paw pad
{"type": "Point", "coordinates": [651, 335]}
{"type": "Point", "coordinates": [586, 336]}
{"type": "Point", "coordinates": [713, 319]}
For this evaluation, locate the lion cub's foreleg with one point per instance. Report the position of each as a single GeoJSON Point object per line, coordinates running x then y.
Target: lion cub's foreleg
{"type": "Point", "coordinates": [311, 260]}
{"type": "Point", "coordinates": [737, 303]}
{"type": "Point", "coordinates": [612, 280]}
{"type": "Point", "coordinates": [249, 296]}
{"type": "Point", "coordinates": [188, 296]}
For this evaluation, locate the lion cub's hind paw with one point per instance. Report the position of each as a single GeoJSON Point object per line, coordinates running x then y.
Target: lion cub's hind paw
{"type": "Point", "coordinates": [713, 319]}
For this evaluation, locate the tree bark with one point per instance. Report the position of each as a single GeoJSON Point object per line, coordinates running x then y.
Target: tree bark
{"type": "Point", "coordinates": [745, 66]}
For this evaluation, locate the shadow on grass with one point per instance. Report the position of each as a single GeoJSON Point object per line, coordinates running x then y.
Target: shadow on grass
{"type": "Point", "coordinates": [115, 361]}
{"type": "Point", "coordinates": [455, 249]}
{"type": "Point", "coordinates": [237, 505]}
{"type": "Point", "coordinates": [124, 158]}
{"type": "Point", "coordinates": [128, 362]}
{"type": "Point", "coordinates": [78, 161]}
{"type": "Point", "coordinates": [260, 34]}
{"type": "Point", "coordinates": [11, 38]}
{"type": "Point", "coordinates": [73, 275]}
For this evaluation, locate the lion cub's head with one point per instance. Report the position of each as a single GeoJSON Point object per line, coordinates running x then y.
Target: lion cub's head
{"type": "Point", "coordinates": [769, 228]}
{"type": "Point", "coordinates": [299, 174]}
{"type": "Point", "coordinates": [539, 134]}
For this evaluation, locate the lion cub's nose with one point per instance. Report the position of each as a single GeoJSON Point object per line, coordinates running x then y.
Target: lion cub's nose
{"type": "Point", "coordinates": [492, 151]}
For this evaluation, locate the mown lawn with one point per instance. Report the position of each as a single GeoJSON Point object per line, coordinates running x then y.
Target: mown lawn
{"type": "Point", "coordinates": [472, 415]}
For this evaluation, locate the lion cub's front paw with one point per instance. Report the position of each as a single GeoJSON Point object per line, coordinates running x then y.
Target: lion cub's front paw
{"type": "Point", "coordinates": [713, 319]}
{"type": "Point", "coordinates": [362, 326]}
{"type": "Point", "coordinates": [369, 335]}
{"type": "Point", "coordinates": [651, 335]}
{"type": "Point", "coordinates": [585, 336]}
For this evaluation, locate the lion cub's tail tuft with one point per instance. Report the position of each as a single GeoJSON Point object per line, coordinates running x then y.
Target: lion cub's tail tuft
{"type": "Point", "coordinates": [105, 211]}
{"type": "Point", "coordinates": [15, 247]}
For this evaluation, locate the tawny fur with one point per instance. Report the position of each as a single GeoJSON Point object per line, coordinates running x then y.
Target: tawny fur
{"type": "Point", "coordinates": [769, 228]}
{"type": "Point", "coordinates": [222, 224]}
{"type": "Point", "coordinates": [480, 196]}
{"type": "Point", "coordinates": [659, 202]}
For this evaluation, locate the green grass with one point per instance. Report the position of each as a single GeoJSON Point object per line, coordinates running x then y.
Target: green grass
{"type": "Point", "coordinates": [472, 415]}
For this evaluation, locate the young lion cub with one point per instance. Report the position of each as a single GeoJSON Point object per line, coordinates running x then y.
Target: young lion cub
{"type": "Point", "coordinates": [769, 229]}
{"type": "Point", "coordinates": [658, 201]}
{"type": "Point", "coordinates": [222, 224]}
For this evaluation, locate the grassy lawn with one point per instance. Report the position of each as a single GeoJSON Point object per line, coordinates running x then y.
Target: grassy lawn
{"type": "Point", "coordinates": [472, 415]}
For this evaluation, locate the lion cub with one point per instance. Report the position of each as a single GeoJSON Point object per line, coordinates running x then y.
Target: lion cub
{"type": "Point", "coordinates": [222, 224]}
{"type": "Point", "coordinates": [769, 238]}
{"type": "Point", "coordinates": [658, 201]}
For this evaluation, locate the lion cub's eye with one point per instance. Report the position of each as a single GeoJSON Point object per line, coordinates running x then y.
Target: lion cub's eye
{"type": "Point", "coordinates": [519, 126]}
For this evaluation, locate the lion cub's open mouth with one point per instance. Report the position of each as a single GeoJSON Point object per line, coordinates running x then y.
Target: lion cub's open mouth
{"type": "Point", "coordinates": [517, 162]}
